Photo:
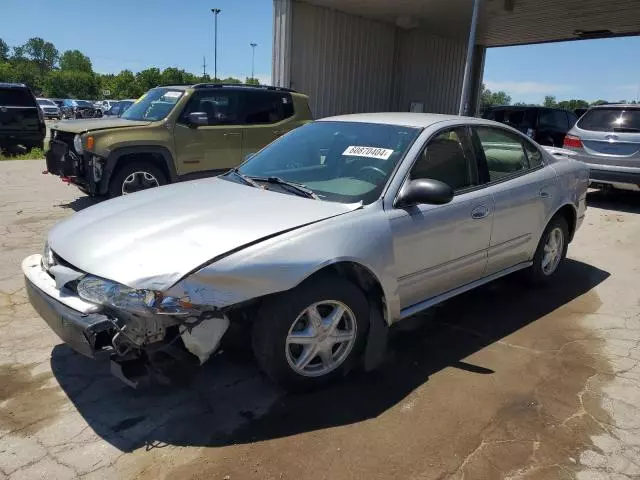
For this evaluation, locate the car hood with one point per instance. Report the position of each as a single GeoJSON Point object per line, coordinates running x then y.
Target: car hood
{"type": "Point", "coordinates": [81, 126]}
{"type": "Point", "coordinates": [152, 239]}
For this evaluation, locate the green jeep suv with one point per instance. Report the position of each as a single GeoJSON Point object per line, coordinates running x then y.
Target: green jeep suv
{"type": "Point", "coordinates": [173, 133]}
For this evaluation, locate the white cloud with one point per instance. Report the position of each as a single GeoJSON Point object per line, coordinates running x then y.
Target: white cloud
{"type": "Point", "coordinates": [527, 88]}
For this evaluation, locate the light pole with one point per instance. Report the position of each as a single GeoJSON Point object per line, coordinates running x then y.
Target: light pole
{"type": "Point", "coordinates": [253, 59]}
{"type": "Point", "coordinates": [216, 12]}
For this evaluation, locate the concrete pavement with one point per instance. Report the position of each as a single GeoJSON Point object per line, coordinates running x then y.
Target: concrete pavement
{"type": "Point", "coordinates": [505, 382]}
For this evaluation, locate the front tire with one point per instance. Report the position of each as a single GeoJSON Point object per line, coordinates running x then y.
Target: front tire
{"type": "Point", "coordinates": [551, 251]}
{"type": "Point", "coordinates": [134, 177]}
{"type": "Point", "coordinates": [312, 335]}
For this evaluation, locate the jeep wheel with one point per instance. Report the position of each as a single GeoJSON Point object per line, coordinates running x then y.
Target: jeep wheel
{"type": "Point", "coordinates": [135, 177]}
{"type": "Point", "coordinates": [313, 334]}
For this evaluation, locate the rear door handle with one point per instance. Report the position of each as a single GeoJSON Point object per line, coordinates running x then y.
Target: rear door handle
{"type": "Point", "coordinates": [544, 193]}
{"type": "Point", "coordinates": [279, 132]}
{"type": "Point", "coordinates": [232, 134]}
{"type": "Point", "coordinates": [480, 212]}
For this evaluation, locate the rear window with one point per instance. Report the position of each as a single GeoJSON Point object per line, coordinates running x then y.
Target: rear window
{"type": "Point", "coordinates": [16, 97]}
{"type": "Point", "coordinates": [611, 120]}
{"type": "Point", "coordinates": [520, 118]}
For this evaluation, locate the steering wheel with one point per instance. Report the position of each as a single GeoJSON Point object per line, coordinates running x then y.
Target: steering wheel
{"type": "Point", "coordinates": [376, 170]}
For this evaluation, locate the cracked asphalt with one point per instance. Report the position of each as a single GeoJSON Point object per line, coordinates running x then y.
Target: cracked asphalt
{"type": "Point", "coordinates": [507, 381]}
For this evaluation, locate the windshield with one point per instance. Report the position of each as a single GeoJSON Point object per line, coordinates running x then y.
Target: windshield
{"type": "Point", "coordinates": [339, 161]}
{"type": "Point", "coordinates": [47, 103]}
{"type": "Point", "coordinates": [610, 119]}
{"type": "Point", "coordinates": [153, 105]}
{"type": "Point", "coordinates": [83, 103]}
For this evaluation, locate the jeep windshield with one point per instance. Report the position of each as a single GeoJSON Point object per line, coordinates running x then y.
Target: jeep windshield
{"type": "Point", "coordinates": [343, 162]}
{"type": "Point", "coordinates": [153, 105]}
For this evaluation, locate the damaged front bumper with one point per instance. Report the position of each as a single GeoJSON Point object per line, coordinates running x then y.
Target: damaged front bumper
{"type": "Point", "coordinates": [91, 333]}
{"type": "Point", "coordinates": [88, 334]}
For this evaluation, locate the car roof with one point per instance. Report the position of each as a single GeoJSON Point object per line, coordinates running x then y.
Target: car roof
{"type": "Point", "coordinates": [617, 105]}
{"type": "Point", "coordinates": [12, 85]}
{"type": "Point", "coordinates": [405, 119]}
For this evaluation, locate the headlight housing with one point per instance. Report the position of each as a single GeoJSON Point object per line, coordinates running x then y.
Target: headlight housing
{"type": "Point", "coordinates": [77, 143]}
{"type": "Point", "coordinates": [144, 302]}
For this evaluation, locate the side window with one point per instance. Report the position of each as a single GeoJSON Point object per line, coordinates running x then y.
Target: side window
{"type": "Point", "coordinates": [503, 151]}
{"type": "Point", "coordinates": [533, 155]}
{"type": "Point", "coordinates": [115, 109]}
{"type": "Point", "coordinates": [221, 107]}
{"type": "Point", "coordinates": [555, 119]}
{"type": "Point", "coordinates": [572, 119]}
{"type": "Point", "coordinates": [448, 157]}
{"type": "Point", "coordinates": [264, 107]}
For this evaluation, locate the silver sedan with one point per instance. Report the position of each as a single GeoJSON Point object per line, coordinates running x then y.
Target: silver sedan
{"type": "Point", "coordinates": [312, 248]}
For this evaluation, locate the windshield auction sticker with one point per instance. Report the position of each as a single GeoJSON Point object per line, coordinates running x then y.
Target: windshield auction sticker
{"type": "Point", "coordinates": [371, 152]}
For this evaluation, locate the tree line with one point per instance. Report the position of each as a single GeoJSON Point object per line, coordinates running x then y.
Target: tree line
{"type": "Point", "coordinates": [489, 98]}
{"type": "Point", "coordinates": [70, 74]}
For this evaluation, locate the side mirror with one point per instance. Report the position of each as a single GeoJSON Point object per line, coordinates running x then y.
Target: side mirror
{"type": "Point", "coordinates": [425, 190]}
{"type": "Point", "coordinates": [198, 118]}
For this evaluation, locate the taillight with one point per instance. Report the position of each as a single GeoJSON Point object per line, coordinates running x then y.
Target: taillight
{"type": "Point", "coordinates": [572, 142]}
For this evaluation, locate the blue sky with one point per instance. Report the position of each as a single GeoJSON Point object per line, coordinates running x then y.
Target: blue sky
{"type": "Point", "coordinates": [605, 69]}
{"type": "Point", "coordinates": [136, 34]}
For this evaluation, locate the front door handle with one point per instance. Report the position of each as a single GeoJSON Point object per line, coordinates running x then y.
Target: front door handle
{"type": "Point", "coordinates": [480, 212]}
{"type": "Point", "coordinates": [279, 132]}
{"type": "Point", "coordinates": [544, 193]}
{"type": "Point", "coordinates": [232, 134]}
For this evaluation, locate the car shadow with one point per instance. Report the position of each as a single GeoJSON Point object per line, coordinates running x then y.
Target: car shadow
{"type": "Point", "coordinates": [81, 203]}
{"type": "Point", "coordinates": [616, 200]}
{"type": "Point", "coordinates": [229, 401]}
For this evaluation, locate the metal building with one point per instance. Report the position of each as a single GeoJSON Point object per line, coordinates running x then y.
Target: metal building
{"type": "Point", "coordinates": [399, 55]}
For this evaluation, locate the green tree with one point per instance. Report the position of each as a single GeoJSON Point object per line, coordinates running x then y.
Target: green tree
{"type": "Point", "coordinates": [7, 72]}
{"type": "Point", "coordinates": [599, 102]}
{"type": "Point", "coordinates": [572, 104]}
{"type": "Point", "coordinates": [149, 78]}
{"type": "Point", "coordinates": [549, 101]}
{"type": "Point", "coordinates": [4, 51]}
{"type": "Point", "coordinates": [125, 86]}
{"type": "Point", "coordinates": [252, 81]}
{"type": "Point", "coordinates": [172, 76]}
{"type": "Point", "coordinates": [230, 80]}
{"type": "Point", "coordinates": [75, 60]}
{"type": "Point", "coordinates": [28, 72]}
{"type": "Point", "coordinates": [489, 98]}
{"type": "Point", "coordinates": [44, 54]}
{"type": "Point", "coordinates": [71, 84]}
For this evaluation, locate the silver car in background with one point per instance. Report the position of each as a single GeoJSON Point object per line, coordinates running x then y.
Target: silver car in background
{"type": "Point", "coordinates": [312, 248]}
{"type": "Point", "coordinates": [607, 139]}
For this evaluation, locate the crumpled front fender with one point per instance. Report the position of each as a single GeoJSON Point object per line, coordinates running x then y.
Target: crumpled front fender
{"type": "Point", "coordinates": [281, 263]}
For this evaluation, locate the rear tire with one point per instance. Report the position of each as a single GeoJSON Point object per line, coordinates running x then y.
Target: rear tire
{"type": "Point", "coordinates": [134, 177]}
{"type": "Point", "coordinates": [293, 336]}
{"type": "Point", "coordinates": [551, 251]}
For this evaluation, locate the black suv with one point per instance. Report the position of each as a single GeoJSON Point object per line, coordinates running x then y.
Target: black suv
{"type": "Point", "coordinates": [21, 120]}
{"type": "Point", "coordinates": [547, 126]}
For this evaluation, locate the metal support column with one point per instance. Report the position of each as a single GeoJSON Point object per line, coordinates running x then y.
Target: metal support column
{"type": "Point", "coordinates": [282, 33]}
{"type": "Point", "coordinates": [466, 82]}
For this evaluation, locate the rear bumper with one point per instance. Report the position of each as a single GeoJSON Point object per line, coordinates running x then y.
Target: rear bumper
{"type": "Point", "coordinates": [617, 178]}
{"type": "Point", "coordinates": [21, 136]}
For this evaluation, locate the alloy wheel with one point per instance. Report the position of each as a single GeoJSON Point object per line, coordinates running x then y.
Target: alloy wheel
{"type": "Point", "coordinates": [137, 181]}
{"type": "Point", "coordinates": [553, 248]}
{"type": "Point", "coordinates": [321, 338]}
